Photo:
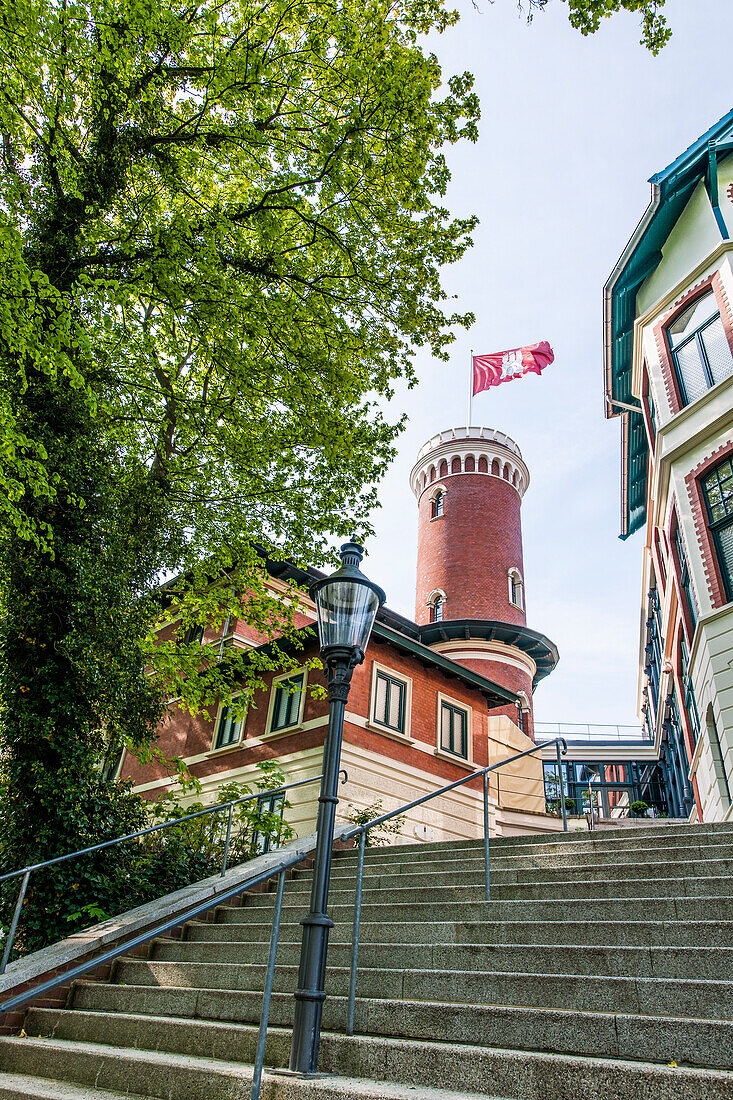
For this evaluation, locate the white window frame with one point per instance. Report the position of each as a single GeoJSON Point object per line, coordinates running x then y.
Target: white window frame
{"type": "Point", "coordinates": [387, 731]}
{"type": "Point", "coordinates": [446, 754]}
{"type": "Point", "coordinates": [242, 722]}
{"type": "Point", "coordinates": [434, 490]}
{"type": "Point", "coordinates": [286, 730]}
{"type": "Point", "coordinates": [514, 574]}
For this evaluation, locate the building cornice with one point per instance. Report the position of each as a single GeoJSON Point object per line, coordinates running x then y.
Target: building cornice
{"type": "Point", "coordinates": [462, 443]}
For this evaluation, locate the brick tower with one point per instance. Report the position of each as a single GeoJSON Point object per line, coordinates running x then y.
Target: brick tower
{"type": "Point", "coordinates": [469, 484]}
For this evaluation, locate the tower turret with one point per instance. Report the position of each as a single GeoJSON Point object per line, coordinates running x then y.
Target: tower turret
{"type": "Point", "coordinates": [469, 484]}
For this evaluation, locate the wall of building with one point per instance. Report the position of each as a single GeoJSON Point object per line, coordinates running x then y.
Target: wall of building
{"type": "Point", "coordinates": [694, 258]}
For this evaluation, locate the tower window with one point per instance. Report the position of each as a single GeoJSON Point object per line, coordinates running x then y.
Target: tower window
{"type": "Point", "coordinates": [437, 610]}
{"type": "Point", "coordinates": [516, 589]}
{"type": "Point", "coordinates": [700, 350]}
{"type": "Point", "coordinates": [718, 489]}
{"type": "Point", "coordinates": [438, 503]}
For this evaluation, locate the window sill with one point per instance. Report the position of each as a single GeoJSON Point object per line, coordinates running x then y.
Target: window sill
{"type": "Point", "coordinates": [275, 735]}
{"type": "Point", "coordinates": [455, 759]}
{"type": "Point", "coordinates": [225, 749]}
{"type": "Point", "coordinates": [393, 735]}
{"type": "Point", "coordinates": [433, 518]}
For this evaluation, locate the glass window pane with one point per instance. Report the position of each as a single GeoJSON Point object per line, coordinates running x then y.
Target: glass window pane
{"type": "Point", "coordinates": [445, 727]}
{"type": "Point", "coordinates": [286, 707]}
{"type": "Point", "coordinates": [395, 704]}
{"type": "Point", "coordinates": [459, 733]}
{"type": "Point", "coordinates": [719, 356]}
{"type": "Point", "coordinates": [380, 705]}
{"type": "Point", "coordinates": [724, 539]}
{"type": "Point", "coordinates": [692, 371]}
{"type": "Point", "coordinates": [692, 318]}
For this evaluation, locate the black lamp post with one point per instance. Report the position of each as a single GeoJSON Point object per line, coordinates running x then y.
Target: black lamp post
{"type": "Point", "coordinates": [347, 604]}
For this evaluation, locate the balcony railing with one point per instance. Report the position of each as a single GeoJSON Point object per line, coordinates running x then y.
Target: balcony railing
{"type": "Point", "coordinates": [579, 731]}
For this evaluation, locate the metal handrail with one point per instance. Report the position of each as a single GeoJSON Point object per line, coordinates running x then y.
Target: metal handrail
{"type": "Point", "coordinates": [362, 830]}
{"type": "Point", "coordinates": [218, 808]}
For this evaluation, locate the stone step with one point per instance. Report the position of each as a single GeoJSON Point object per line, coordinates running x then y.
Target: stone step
{"type": "Point", "coordinates": [585, 908]}
{"type": "Point", "coordinates": [622, 933]}
{"type": "Point", "coordinates": [367, 1061]}
{"type": "Point", "coordinates": [678, 861]}
{"type": "Point", "coordinates": [596, 992]}
{"type": "Point", "coordinates": [517, 845]}
{"type": "Point", "coordinates": [503, 859]}
{"type": "Point", "coordinates": [16, 1086]}
{"type": "Point", "coordinates": [667, 962]}
{"type": "Point", "coordinates": [697, 1042]}
{"type": "Point", "coordinates": [456, 893]}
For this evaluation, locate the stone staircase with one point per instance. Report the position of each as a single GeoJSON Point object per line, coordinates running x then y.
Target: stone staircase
{"type": "Point", "coordinates": [602, 968]}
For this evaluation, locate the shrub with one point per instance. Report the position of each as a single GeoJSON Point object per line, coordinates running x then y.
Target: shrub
{"type": "Point", "coordinates": [639, 808]}
{"type": "Point", "coordinates": [82, 891]}
{"type": "Point", "coordinates": [382, 834]}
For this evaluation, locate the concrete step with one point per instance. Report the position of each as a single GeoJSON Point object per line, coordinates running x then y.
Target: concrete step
{"type": "Point", "coordinates": [679, 862]}
{"type": "Point", "coordinates": [584, 908]}
{"type": "Point", "coordinates": [16, 1086]}
{"type": "Point", "coordinates": [701, 1041]}
{"type": "Point", "coordinates": [142, 1072]}
{"type": "Point", "coordinates": [504, 860]}
{"type": "Point", "coordinates": [621, 933]}
{"type": "Point", "coordinates": [484, 1071]}
{"type": "Point", "coordinates": [600, 1034]}
{"type": "Point", "coordinates": [457, 892]}
{"type": "Point", "coordinates": [597, 992]}
{"type": "Point", "coordinates": [667, 962]}
{"type": "Point", "coordinates": [672, 835]}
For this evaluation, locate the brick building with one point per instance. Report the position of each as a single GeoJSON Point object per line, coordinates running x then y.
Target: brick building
{"type": "Point", "coordinates": [669, 377]}
{"type": "Point", "coordinates": [435, 697]}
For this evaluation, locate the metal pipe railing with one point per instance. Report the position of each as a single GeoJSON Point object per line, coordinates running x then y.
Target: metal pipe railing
{"type": "Point", "coordinates": [362, 830]}
{"type": "Point", "coordinates": [218, 808]}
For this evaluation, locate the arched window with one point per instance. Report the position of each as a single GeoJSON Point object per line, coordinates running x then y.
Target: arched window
{"type": "Point", "coordinates": [437, 610]}
{"type": "Point", "coordinates": [516, 588]}
{"type": "Point", "coordinates": [438, 504]}
{"type": "Point", "coordinates": [699, 347]}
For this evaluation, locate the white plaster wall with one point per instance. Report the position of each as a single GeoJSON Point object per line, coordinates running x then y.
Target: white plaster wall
{"type": "Point", "coordinates": [694, 235]}
{"type": "Point", "coordinates": [712, 678]}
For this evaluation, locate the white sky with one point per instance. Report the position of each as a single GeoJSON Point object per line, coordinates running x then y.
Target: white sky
{"type": "Point", "coordinates": [571, 130]}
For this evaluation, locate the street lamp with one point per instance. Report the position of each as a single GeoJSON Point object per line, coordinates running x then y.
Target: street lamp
{"type": "Point", "coordinates": [347, 604]}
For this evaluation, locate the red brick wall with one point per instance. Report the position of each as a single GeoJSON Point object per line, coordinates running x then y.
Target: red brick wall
{"type": "Point", "coordinates": [468, 551]}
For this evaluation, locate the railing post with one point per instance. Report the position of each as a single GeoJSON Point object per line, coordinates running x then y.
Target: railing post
{"type": "Point", "coordinates": [226, 845]}
{"type": "Point", "coordinates": [562, 788]}
{"type": "Point", "coordinates": [486, 835]}
{"type": "Point", "coordinates": [355, 935]}
{"type": "Point", "coordinates": [14, 922]}
{"type": "Point", "coordinates": [267, 994]}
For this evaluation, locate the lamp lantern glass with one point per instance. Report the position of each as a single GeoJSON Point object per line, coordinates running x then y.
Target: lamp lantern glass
{"type": "Point", "coordinates": [347, 603]}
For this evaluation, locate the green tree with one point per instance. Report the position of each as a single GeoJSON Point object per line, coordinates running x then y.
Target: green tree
{"type": "Point", "coordinates": [220, 239]}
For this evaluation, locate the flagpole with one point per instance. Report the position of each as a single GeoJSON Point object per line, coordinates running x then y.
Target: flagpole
{"type": "Point", "coordinates": [470, 390]}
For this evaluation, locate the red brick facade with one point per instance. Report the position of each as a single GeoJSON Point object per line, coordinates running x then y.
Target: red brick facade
{"type": "Point", "coordinates": [468, 551]}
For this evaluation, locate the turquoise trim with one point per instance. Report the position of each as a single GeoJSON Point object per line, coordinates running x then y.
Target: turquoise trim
{"type": "Point", "coordinates": [671, 191]}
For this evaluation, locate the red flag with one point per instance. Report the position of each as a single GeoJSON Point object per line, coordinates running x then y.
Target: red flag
{"type": "Point", "coordinates": [503, 366]}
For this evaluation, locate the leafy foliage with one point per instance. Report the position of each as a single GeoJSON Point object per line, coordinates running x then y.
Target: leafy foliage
{"type": "Point", "coordinates": [586, 16]}
{"type": "Point", "coordinates": [381, 835]}
{"type": "Point", "coordinates": [221, 235]}
{"type": "Point", "coordinates": [72, 895]}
